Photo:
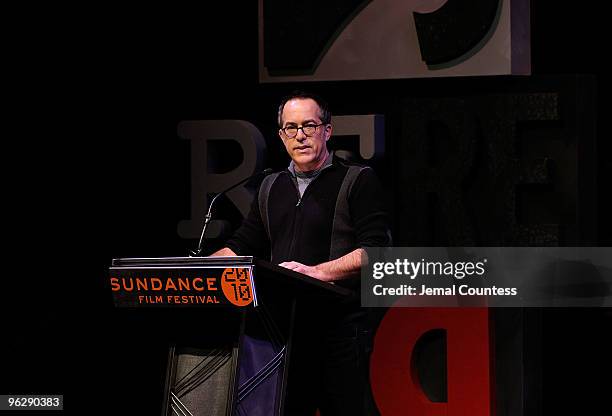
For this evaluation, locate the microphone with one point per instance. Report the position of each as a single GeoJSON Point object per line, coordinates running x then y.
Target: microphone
{"type": "Point", "coordinates": [198, 252]}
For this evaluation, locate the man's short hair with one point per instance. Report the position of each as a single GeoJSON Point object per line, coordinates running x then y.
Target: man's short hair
{"type": "Point", "coordinates": [324, 113]}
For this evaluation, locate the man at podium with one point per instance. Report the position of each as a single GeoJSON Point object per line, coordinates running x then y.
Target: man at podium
{"type": "Point", "coordinates": [315, 217]}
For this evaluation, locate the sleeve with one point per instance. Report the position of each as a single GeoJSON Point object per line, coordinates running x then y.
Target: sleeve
{"type": "Point", "coordinates": [367, 204]}
{"type": "Point", "coordinates": [251, 238]}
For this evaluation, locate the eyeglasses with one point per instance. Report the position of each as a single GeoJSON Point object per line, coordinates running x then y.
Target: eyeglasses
{"type": "Point", "coordinates": [308, 130]}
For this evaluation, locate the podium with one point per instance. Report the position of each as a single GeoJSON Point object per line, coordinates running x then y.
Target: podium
{"type": "Point", "coordinates": [233, 325]}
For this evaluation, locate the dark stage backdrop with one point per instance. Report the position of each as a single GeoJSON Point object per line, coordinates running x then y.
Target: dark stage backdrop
{"type": "Point", "coordinates": [95, 170]}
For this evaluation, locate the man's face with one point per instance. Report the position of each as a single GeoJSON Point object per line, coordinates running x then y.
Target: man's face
{"type": "Point", "coordinates": [307, 153]}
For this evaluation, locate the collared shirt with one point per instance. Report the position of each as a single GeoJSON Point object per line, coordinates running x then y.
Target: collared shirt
{"type": "Point", "coordinates": [303, 179]}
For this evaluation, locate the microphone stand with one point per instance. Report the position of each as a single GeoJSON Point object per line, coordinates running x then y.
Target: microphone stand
{"type": "Point", "coordinates": [200, 249]}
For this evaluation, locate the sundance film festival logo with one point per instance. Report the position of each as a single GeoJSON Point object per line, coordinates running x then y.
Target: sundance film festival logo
{"type": "Point", "coordinates": [236, 285]}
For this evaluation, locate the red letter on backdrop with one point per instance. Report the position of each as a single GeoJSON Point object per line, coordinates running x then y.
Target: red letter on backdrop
{"type": "Point", "coordinates": [469, 362]}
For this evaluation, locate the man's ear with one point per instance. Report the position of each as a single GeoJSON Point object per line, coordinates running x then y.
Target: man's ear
{"type": "Point", "coordinates": [280, 134]}
{"type": "Point", "coordinates": [328, 131]}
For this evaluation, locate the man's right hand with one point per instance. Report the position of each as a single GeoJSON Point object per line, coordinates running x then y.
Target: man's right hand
{"type": "Point", "coordinates": [225, 252]}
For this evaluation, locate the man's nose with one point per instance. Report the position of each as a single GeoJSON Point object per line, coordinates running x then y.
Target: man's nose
{"type": "Point", "coordinates": [300, 136]}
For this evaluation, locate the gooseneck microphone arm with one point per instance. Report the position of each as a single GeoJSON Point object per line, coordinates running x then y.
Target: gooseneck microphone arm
{"type": "Point", "coordinates": [208, 217]}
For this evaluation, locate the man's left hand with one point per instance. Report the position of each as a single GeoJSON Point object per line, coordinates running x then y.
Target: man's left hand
{"type": "Point", "coordinates": [311, 271]}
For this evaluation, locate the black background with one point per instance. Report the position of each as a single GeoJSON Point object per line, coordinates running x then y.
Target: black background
{"type": "Point", "coordinates": [94, 170]}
